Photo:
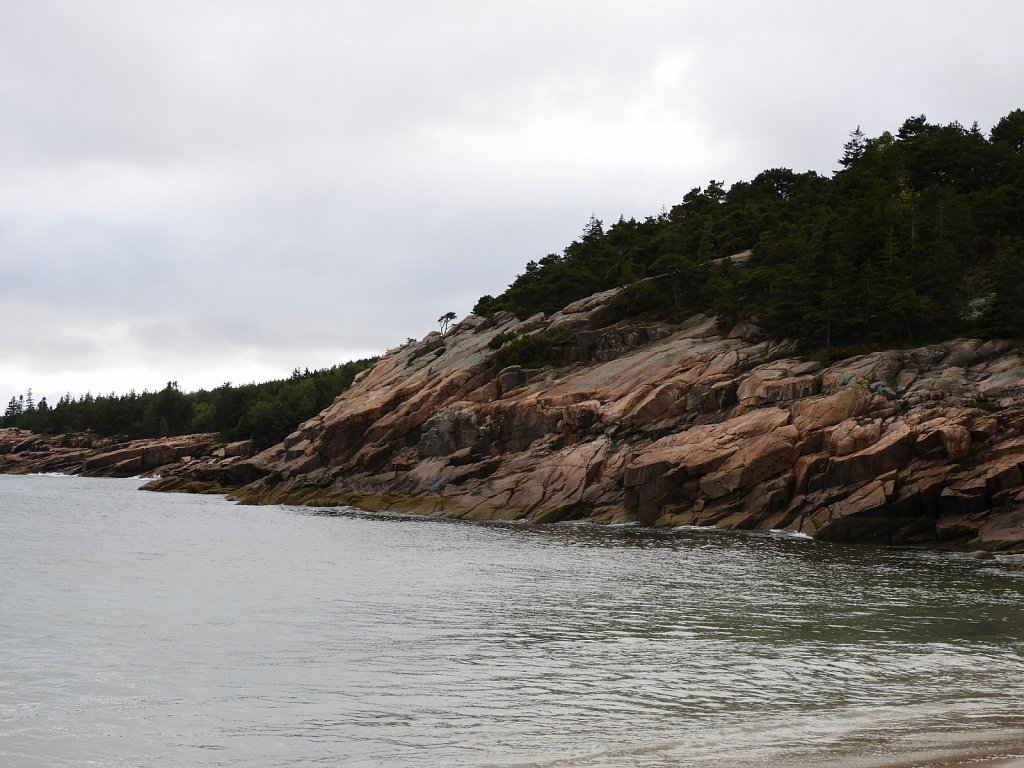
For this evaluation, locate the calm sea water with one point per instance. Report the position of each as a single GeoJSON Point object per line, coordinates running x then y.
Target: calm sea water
{"type": "Point", "coordinates": [142, 629]}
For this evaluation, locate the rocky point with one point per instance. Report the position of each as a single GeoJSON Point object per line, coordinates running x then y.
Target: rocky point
{"type": "Point", "coordinates": [23, 452]}
{"type": "Point", "coordinates": [664, 424]}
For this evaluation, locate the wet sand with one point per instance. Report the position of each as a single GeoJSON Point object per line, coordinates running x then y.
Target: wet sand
{"type": "Point", "coordinates": [975, 749]}
{"type": "Point", "coordinates": [1010, 757]}
{"type": "Point", "coordinates": [1016, 761]}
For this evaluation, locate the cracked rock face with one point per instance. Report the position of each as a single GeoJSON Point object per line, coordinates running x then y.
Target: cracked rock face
{"type": "Point", "coordinates": [684, 424]}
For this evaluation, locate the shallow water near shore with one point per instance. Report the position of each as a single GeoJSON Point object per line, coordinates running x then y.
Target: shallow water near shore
{"type": "Point", "coordinates": [166, 630]}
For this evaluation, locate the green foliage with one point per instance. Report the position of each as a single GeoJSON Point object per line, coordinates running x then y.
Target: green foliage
{"type": "Point", "coordinates": [445, 320]}
{"type": "Point", "coordinates": [501, 338]}
{"type": "Point", "coordinates": [893, 248]}
{"type": "Point", "coordinates": [485, 306]}
{"type": "Point", "coordinates": [1010, 131]}
{"type": "Point", "coordinates": [530, 351]}
{"type": "Point", "coordinates": [266, 412]}
{"type": "Point", "coordinates": [642, 296]}
{"type": "Point", "coordinates": [1004, 313]}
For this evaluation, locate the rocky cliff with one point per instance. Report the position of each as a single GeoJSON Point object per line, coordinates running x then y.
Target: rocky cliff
{"type": "Point", "coordinates": [668, 425]}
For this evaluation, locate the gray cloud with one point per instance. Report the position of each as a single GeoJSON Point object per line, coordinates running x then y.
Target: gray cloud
{"type": "Point", "coordinates": [225, 190]}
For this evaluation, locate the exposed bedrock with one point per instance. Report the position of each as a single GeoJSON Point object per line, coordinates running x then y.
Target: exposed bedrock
{"type": "Point", "coordinates": [23, 452]}
{"type": "Point", "coordinates": [684, 424]}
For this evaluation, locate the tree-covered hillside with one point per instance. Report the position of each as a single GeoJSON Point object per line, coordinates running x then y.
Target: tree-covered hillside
{"type": "Point", "coordinates": [920, 235]}
{"type": "Point", "coordinates": [265, 412]}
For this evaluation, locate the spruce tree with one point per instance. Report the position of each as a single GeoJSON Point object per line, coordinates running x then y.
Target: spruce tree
{"type": "Point", "coordinates": [854, 148]}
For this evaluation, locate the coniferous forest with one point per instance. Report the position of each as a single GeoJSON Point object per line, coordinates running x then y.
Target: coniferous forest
{"type": "Point", "coordinates": [919, 236]}
{"type": "Point", "coordinates": [265, 412]}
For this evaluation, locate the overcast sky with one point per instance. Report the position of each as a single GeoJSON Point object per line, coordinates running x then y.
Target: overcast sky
{"type": "Point", "coordinates": [224, 191]}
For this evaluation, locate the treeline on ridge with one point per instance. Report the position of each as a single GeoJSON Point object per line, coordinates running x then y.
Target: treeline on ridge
{"type": "Point", "coordinates": [919, 236]}
{"type": "Point", "coordinates": [265, 412]}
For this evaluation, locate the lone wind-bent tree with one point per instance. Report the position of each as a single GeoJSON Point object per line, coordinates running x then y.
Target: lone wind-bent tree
{"type": "Point", "coordinates": [445, 320]}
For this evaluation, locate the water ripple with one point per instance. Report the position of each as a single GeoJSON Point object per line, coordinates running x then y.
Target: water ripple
{"type": "Point", "coordinates": [142, 629]}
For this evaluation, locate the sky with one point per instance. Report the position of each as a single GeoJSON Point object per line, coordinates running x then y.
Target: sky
{"type": "Point", "coordinates": [212, 191]}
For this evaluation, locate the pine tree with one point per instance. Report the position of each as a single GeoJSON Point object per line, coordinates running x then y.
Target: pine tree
{"type": "Point", "coordinates": [445, 320]}
{"type": "Point", "coordinates": [854, 148]}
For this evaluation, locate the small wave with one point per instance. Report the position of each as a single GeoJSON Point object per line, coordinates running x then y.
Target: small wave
{"type": "Point", "coordinates": [592, 524]}
{"type": "Point", "coordinates": [773, 533]}
{"type": "Point", "coordinates": [784, 534]}
{"type": "Point", "coordinates": [599, 757]}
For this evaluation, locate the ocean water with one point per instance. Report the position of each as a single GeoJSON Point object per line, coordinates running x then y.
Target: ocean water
{"type": "Point", "coordinates": [141, 629]}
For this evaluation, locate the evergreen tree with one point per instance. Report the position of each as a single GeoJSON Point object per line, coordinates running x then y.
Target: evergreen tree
{"type": "Point", "coordinates": [854, 148]}
{"type": "Point", "coordinates": [914, 220]}
{"type": "Point", "coordinates": [1004, 315]}
{"type": "Point", "coordinates": [1010, 130]}
{"type": "Point", "coordinates": [444, 321]}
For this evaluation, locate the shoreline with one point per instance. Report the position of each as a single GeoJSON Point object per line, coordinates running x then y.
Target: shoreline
{"type": "Point", "coordinates": [451, 510]}
{"type": "Point", "coordinates": [1015, 760]}
{"type": "Point", "coordinates": [991, 748]}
